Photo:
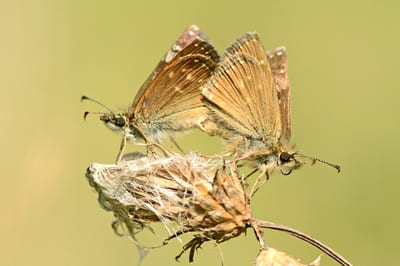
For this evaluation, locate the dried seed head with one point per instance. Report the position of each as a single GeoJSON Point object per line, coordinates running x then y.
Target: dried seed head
{"type": "Point", "coordinates": [180, 191]}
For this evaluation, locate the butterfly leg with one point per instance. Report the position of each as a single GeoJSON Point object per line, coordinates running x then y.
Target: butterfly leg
{"type": "Point", "coordinates": [250, 174]}
{"type": "Point", "coordinates": [260, 180]}
{"type": "Point", "coordinates": [246, 144]}
{"type": "Point", "coordinates": [121, 148]}
{"type": "Point", "coordinates": [223, 154]}
{"type": "Point", "coordinates": [176, 144]}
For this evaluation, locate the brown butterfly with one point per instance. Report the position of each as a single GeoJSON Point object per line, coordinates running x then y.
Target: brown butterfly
{"type": "Point", "coordinates": [169, 101]}
{"type": "Point", "coordinates": [249, 99]}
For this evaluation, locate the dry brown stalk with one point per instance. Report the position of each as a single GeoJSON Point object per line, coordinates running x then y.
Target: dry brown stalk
{"type": "Point", "coordinates": [258, 225]}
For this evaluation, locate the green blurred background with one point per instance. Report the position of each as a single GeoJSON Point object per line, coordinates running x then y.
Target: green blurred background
{"type": "Point", "coordinates": [343, 65]}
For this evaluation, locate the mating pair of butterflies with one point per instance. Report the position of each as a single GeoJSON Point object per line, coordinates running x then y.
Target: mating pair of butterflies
{"type": "Point", "coordinates": [243, 96]}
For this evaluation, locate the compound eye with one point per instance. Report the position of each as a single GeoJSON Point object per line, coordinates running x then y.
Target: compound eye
{"type": "Point", "coordinates": [285, 157]}
{"type": "Point", "coordinates": [120, 121]}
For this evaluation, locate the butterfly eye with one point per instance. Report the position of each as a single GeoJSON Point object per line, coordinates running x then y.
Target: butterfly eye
{"type": "Point", "coordinates": [285, 157]}
{"type": "Point", "coordinates": [120, 121]}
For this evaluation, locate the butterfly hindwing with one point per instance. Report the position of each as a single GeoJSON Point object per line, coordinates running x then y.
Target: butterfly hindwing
{"type": "Point", "coordinates": [279, 66]}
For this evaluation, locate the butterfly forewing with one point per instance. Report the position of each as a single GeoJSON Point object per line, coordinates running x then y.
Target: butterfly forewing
{"type": "Point", "coordinates": [187, 37]}
{"type": "Point", "coordinates": [249, 43]}
{"type": "Point", "coordinates": [230, 96]}
{"type": "Point", "coordinates": [279, 66]}
{"type": "Point", "coordinates": [242, 93]}
{"type": "Point", "coordinates": [173, 96]}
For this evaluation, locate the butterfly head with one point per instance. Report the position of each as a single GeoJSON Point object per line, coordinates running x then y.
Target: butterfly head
{"type": "Point", "coordinates": [287, 161]}
{"type": "Point", "coordinates": [115, 122]}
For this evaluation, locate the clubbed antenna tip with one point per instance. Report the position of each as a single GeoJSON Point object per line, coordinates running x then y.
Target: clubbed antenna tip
{"type": "Point", "coordinates": [85, 115]}
{"type": "Point", "coordinates": [313, 159]}
{"type": "Point", "coordinates": [84, 98]}
{"type": "Point", "coordinates": [95, 101]}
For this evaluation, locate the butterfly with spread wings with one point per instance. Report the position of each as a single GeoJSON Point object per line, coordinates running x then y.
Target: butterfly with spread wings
{"type": "Point", "coordinates": [169, 101]}
{"type": "Point", "coordinates": [249, 99]}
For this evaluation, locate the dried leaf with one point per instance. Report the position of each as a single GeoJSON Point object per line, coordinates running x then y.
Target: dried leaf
{"type": "Point", "coordinates": [274, 257]}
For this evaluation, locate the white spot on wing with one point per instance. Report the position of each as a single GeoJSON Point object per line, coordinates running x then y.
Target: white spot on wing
{"type": "Point", "coordinates": [170, 55]}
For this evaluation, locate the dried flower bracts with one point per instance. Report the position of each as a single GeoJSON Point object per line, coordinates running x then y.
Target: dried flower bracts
{"type": "Point", "coordinates": [182, 192]}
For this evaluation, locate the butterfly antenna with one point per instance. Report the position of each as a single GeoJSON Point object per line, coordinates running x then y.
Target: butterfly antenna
{"type": "Point", "coordinates": [95, 101]}
{"type": "Point", "coordinates": [313, 159]}
{"type": "Point", "coordinates": [91, 113]}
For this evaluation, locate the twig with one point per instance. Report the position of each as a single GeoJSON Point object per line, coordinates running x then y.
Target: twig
{"type": "Point", "coordinates": [327, 250]}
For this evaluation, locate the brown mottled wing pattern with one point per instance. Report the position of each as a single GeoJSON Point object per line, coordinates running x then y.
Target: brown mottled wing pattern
{"type": "Point", "coordinates": [279, 66]}
{"type": "Point", "coordinates": [171, 96]}
{"type": "Point", "coordinates": [241, 94]}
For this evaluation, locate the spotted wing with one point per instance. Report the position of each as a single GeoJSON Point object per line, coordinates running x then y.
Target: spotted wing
{"type": "Point", "coordinates": [241, 94]}
{"type": "Point", "coordinates": [279, 65]}
{"type": "Point", "coordinates": [171, 96]}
